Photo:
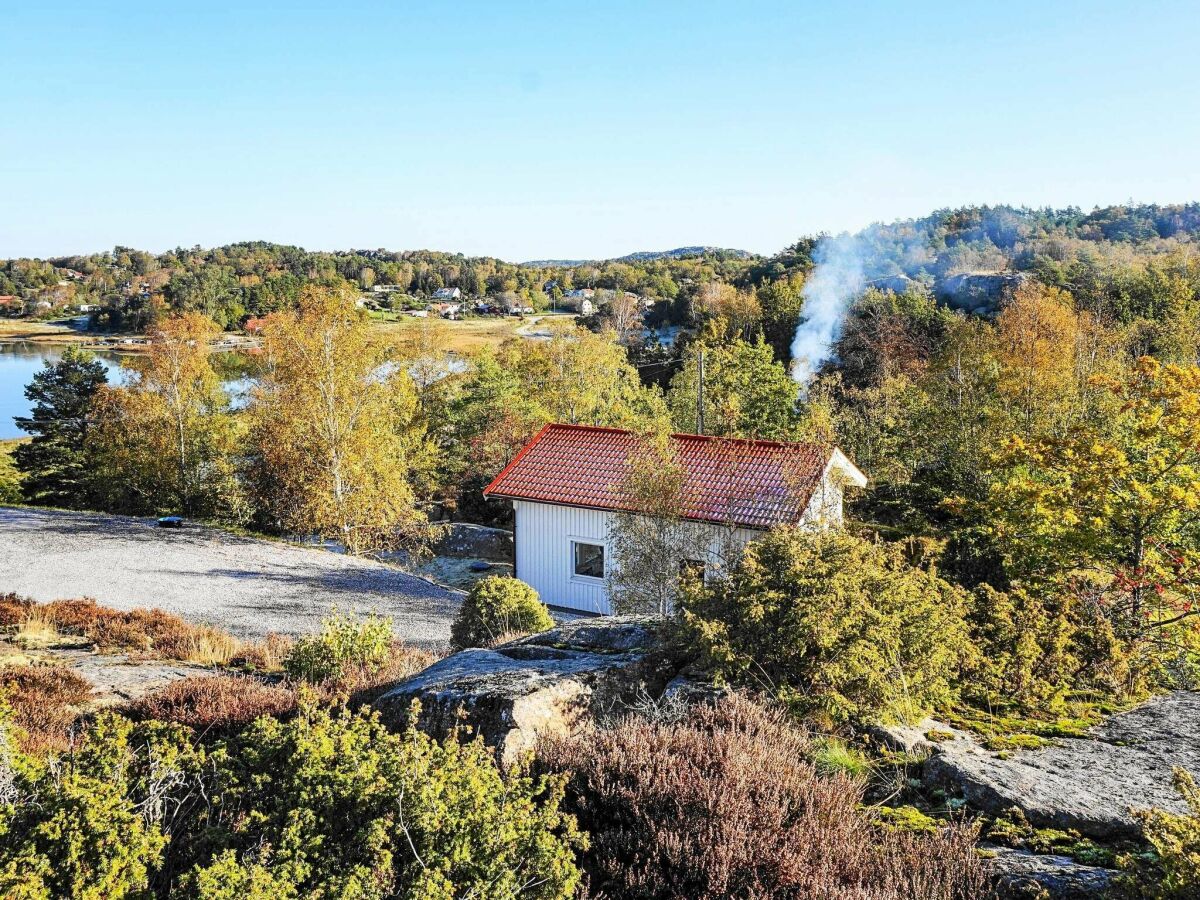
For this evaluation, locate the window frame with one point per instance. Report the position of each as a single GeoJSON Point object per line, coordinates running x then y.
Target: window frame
{"type": "Point", "coordinates": [575, 544]}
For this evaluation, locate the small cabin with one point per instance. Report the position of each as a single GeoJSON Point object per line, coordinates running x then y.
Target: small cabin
{"type": "Point", "coordinates": [565, 487]}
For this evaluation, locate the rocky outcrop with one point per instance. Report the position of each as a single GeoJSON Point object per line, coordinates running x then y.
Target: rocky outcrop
{"type": "Point", "coordinates": [545, 684]}
{"type": "Point", "coordinates": [982, 293]}
{"type": "Point", "coordinates": [118, 679]}
{"type": "Point", "coordinates": [463, 540]}
{"type": "Point", "coordinates": [1090, 785]}
{"type": "Point", "coordinates": [897, 284]}
{"type": "Point", "coordinates": [1020, 874]}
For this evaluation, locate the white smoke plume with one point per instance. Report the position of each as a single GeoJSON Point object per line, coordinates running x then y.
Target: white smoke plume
{"type": "Point", "coordinates": [838, 279]}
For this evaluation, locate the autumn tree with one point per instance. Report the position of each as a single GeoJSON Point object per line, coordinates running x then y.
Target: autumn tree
{"type": "Point", "coordinates": [1036, 338]}
{"type": "Point", "coordinates": [781, 302]}
{"type": "Point", "coordinates": [168, 441]}
{"type": "Point", "coordinates": [1118, 496]}
{"type": "Point", "coordinates": [333, 429]}
{"type": "Point", "coordinates": [54, 461]}
{"type": "Point", "coordinates": [575, 376]}
{"type": "Point", "coordinates": [747, 393]}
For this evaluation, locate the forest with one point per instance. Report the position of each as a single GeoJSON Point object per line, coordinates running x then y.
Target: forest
{"type": "Point", "coordinates": [1026, 554]}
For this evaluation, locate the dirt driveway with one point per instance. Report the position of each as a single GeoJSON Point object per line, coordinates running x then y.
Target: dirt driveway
{"type": "Point", "coordinates": [244, 585]}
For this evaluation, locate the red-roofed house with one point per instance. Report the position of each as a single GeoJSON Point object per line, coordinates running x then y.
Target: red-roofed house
{"type": "Point", "coordinates": [565, 487]}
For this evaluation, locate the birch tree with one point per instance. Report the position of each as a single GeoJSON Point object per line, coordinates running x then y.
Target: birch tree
{"type": "Point", "coordinates": [334, 428]}
{"type": "Point", "coordinates": [168, 441]}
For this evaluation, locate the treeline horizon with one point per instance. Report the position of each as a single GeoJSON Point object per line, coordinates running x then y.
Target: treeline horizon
{"type": "Point", "coordinates": [1066, 248]}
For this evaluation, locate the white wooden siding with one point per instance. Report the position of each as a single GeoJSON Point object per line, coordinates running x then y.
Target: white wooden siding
{"type": "Point", "coordinates": [545, 556]}
{"type": "Point", "coordinates": [545, 560]}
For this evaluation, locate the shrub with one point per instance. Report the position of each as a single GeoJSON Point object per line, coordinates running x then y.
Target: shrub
{"type": "Point", "coordinates": [342, 646]}
{"type": "Point", "coordinates": [725, 804]}
{"type": "Point", "coordinates": [266, 655]}
{"type": "Point", "coordinates": [328, 804]}
{"type": "Point", "coordinates": [92, 828]}
{"type": "Point", "coordinates": [349, 809]}
{"type": "Point", "coordinates": [1177, 840]}
{"type": "Point", "coordinates": [14, 609]}
{"type": "Point", "coordinates": [44, 703]}
{"type": "Point", "coordinates": [498, 606]}
{"type": "Point", "coordinates": [838, 626]}
{"type": "Point", "coordinates": [222, 703]}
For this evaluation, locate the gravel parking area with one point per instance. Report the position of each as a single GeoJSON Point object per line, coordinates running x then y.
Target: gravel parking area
{"type": "Point", "coordinates": [247, 586]}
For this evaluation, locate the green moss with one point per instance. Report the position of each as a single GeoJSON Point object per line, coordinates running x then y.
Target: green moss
{"type": "Point", "coordinates": [1012, 830]}
{"type": "Point", "coordinates": [905, 818]}
{"type": "Point", "coordinates": [1016, 742]}
{"type": "Point", "coordinates": [938, 736]}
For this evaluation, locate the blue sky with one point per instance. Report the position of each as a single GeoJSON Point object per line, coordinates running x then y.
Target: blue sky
{"type": "Point", "coordinates": [530, 130]}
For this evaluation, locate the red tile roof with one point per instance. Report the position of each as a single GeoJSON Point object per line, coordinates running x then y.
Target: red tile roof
{"type": "Point", "coordinates": [756, 484]}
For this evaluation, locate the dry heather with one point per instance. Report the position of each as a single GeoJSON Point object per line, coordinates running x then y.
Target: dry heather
{"type": "Point", "coordinates": [45, 703]}
{"type": "Point", "coordinates": [219, 703]}
{"type": "Point", "coordinates": [725, 804]}
{"type": "Point", "coordinates": [149, 633]}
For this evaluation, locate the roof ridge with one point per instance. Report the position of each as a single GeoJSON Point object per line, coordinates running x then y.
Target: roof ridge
{"type": "Point", "coordinates": [686, 436]}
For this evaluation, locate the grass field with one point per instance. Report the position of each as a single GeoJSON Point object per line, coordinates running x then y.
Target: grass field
{"type": "Point", "coordinates": [464, 336]}
{"type": "Point", "coordinates": [39, 332]}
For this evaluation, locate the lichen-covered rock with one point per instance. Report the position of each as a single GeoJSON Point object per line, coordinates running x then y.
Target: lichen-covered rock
{"type": "Point", "coordinates": [919, 740]}
{"type": "Point", "coordinates": [1090, 784]}
{"type": "Point", "coordinates": [117, 679]}
{"type": "Point", "coordinates": [1020, 874]}
{"type": "Point", "coordinates": [982, 293]}
{"type": "Point", "coordinates": [897, 284]}
{"type": "Point", "coordinates": [545, 684]}
{"type": "Point", "coordinates": [464, 540]}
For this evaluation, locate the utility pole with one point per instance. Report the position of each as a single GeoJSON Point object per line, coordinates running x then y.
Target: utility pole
{"type": "Point", "coordinates": [700, 396]}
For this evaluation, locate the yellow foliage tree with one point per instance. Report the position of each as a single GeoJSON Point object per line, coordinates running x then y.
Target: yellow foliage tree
{"type": "Point", "coordinates": [168, 442]}
{"type": "Point", "coordinates": [333, 428]}
{"type": "Point", "coordinates": [1119, 496]}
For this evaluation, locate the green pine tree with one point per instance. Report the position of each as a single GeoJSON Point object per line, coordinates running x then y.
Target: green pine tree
{"type": "Point", "coordinates": [54, 461]}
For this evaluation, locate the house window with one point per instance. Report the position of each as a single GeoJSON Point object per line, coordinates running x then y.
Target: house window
{"type": "Point", "coordinates": [589, 560]}
{"type": "Point", "coordinates": [692, 569]}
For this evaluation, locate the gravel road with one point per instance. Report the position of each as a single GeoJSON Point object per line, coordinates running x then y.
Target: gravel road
{"type": "Point", "coordinates": [244, 585]}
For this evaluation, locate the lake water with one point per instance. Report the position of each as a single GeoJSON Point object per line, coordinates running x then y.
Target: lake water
{"type": "Point", "coordinates": [18, 364]}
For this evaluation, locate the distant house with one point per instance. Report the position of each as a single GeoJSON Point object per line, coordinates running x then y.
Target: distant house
{"type": "Point", "coordinates": [6, 299]}
{"type": "Point", "coordinates": [517, 307]}
{"type": "Point", "coordinates": [447, 293]}
{"type": "Point", "coordinates": [565, 489]}
{"type": "Point", "coordinates": [386, 288]}
{"type": "Point", "coordinates": [580, 300]}
{"type": "Point", "coordinates": [447, 310]}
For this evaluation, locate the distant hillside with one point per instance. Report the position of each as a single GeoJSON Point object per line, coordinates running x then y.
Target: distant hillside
{"type": "Point", "coordinates": [647, 256]}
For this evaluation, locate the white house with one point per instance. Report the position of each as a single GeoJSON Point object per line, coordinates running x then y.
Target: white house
{"type": "Point", "coordinates": [447, 293]}
{"type": "Point", "coordinates": [580, 300]}
{"type": "Point", "coordinates": [565, 487]}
